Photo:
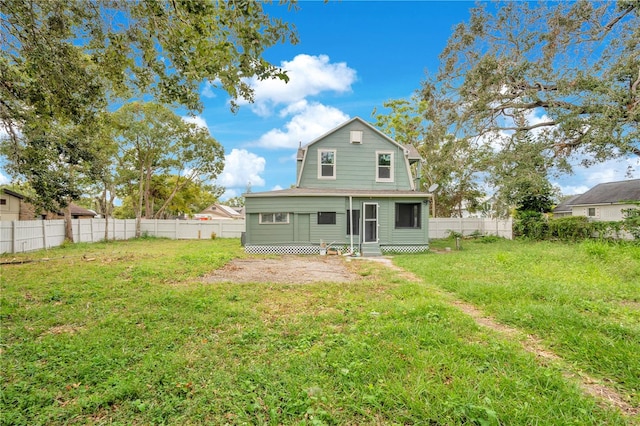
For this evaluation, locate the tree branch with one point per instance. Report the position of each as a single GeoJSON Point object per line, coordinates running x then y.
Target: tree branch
{"type": "Point", "coordinates": [615, 20]}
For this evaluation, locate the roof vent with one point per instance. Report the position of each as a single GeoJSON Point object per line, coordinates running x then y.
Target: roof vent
{"type": "Point", "coordinates": [356, 136]}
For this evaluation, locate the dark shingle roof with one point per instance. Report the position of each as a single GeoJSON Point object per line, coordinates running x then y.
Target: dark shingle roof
{"type": "Point", "coordinates": [15, 194]}
{"type": "Point", "coordinates": [610, 193]}
{"type": "Point", "coordinates": [565, 206]}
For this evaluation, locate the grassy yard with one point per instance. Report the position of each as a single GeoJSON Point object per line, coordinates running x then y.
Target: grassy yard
{"type": "Point", "coordinates": [128, 333]}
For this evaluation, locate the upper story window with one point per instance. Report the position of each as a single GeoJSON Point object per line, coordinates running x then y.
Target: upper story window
{"type": "Point", "coordinates": [355, 136]}
{"type": "Point", "coordinates": [326, 164]}
{"type": "Point", "coordinates": [3, 201]}
{"type": "Point", "coordinates": [384, 169]}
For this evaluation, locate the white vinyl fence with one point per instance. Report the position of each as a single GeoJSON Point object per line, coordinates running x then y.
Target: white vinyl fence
{"type": "Point", "coordinates": [29, 235]}
{"type": "Point", "coordinates": [440, 227]}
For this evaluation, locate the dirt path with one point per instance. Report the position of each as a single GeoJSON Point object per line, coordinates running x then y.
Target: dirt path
{"type": "Point", "coordinates": [285, 269]}
{"type": "Point", "coordinates": [309, 269]}
{"type": "Point", "coordinates": [532, 344]}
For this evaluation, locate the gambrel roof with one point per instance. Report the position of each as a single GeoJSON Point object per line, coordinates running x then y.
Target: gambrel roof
{"type": "Point", "coordinates": [413, 154]}
{"type": "Point", "coordinates": [610, 193]}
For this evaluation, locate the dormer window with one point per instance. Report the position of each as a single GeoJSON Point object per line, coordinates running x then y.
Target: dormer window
{"type": "Point", "coordinates": [326, 164]}
{"type": "Point", "coordinates": [355, 136]}
{"type": "Point", "coordinates": [384, 169]}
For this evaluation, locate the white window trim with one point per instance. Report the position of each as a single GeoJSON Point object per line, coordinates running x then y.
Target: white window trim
{"type": "Point", "coordinates": [335, 164]}
{"type": "Point", "coordinates": [273, 223]}
{"type": "Point", "coordinates": [391, 171]}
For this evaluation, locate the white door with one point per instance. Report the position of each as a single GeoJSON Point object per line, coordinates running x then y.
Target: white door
{"type": "Point", "coordinates": [370, 222]}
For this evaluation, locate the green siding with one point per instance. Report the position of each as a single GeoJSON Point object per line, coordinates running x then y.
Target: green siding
{"type": "Point", "coordinates": [356, 164]}
{"type": "Point", "coordinates": [303, 226]}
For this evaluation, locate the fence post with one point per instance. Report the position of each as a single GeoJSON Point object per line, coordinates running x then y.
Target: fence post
{"type": "Point", "coordinates": [14, 237]}
{"type": "Point", "coordinates": [176, 229]}
{"type": "Point", "coordinates": [44, 234]}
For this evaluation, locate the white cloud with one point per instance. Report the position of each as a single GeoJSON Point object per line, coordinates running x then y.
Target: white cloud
{"type": "Point", "coordinates": [242, 168]}
{"type": "Point", "coordinates": [197, 120]}
{"type": "Point", "coordinates": [308, 122]}
{"type": "Point", "coordinates": [4, 180]}
{"type": "Point", "coordinates": [572, 190]}
{"type": "Point", "coordinates": [585, 178]}
{"type": "Point", "coordinates": [308, 76]}
{"type": "Point", "coordinates": [229, 193]}
{"type": "Point", "coordinates": [277, 188]}
{"type": "Point", "coordinates": [207, 90]}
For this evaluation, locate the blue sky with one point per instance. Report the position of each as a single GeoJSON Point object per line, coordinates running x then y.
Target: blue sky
{"type": "Point", "coordinates": [352, 56]}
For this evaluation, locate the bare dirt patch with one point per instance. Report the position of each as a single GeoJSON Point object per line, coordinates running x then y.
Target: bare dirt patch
{"type": "Point", "coordinates": [286, 270]}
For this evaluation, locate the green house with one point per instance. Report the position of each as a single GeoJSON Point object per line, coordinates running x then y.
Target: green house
{"type": "Point", "coordinates": [356, 190]}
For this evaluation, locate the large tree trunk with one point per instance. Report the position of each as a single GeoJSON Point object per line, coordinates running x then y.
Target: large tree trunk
{"type": "Point", "coordinates": [166, 203]}
{"type": "Point", "coordinates": [148, 211]}
{"type": "Point", "coordinates": [68, 228]}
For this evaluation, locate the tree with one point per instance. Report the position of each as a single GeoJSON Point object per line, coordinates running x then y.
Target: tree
{"type": "Point", "coordinates": [155, 141]}
{"type": "Point", "coordinates": [64, 62]}
{"type": "Point", "coordinates": [449, 161]}
{"type": "Point", "coordinates": [565, 73]}
{"type": "Point", "coordinates": [235, 202]}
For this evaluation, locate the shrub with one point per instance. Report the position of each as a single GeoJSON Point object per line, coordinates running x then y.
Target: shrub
{"type": "Point", "coordinates": [631, 222]}
{"type": "Point", "coordinates": [572, 228]}
{"type": "Point", "coordinates": [531, 225]}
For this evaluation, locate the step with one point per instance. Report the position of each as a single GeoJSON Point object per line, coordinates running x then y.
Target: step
{"type": "Point", "coordinates": [370, 250]}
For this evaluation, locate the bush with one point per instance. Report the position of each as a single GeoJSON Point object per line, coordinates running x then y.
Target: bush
{"type": "Point", "coordinates": [531, 225]}
{"type": "Point", "coordinates": [572, 228]}
{"type": "Point", "coordinates": [631, 222]}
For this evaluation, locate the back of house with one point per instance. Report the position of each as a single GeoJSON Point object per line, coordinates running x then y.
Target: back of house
{"type": "Point", "coordinates": [356, 190]}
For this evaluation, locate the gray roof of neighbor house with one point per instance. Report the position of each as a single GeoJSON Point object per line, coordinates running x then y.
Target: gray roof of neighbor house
{"type": "Point", "coordinates": [610, 193]}
{"type": "Point", "coordinates": [565, 206]}
{"type": "Point", "coordinates": [223, 211]}
{"type": "Point", "coordinates": [76, 210]}
{"type": "Point", "coordinates": [324, 192]}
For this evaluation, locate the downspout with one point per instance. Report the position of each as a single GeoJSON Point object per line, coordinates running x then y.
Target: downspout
{"type": "Point", "coordinates": [351, 222]}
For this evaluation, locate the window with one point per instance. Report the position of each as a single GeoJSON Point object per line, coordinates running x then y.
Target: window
{"type": "Point", "coordinates": [408, 215]}
{"type": "Point", "coordinates": [327, 164]}
{"type": "Point", "coordinates": [591, 212]}
{"type": "Point", "coordinates": [384, 172]}
{"type": "Point", "coordinates": [326, 218]}
{"type": "Point", "coordinates": [355, 136]}
{"type": "Point", "coordinates": [356, 222]}
{"type": "Point", "coordinates": [274, 218]}
{"type": "Point", "coordinates": [3, 201]}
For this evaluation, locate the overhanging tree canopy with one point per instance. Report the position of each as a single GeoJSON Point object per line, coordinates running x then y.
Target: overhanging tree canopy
{"type": "Point", "coordinates": [566, 73]}
{"type": "Point", "coordinates": [64, 62]}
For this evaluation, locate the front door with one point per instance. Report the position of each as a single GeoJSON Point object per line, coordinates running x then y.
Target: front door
{"type": "Point", "coordinates": [370, 225]}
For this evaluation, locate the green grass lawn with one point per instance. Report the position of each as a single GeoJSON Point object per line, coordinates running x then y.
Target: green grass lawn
{"type": "Point", "coordinates": [128, 333]}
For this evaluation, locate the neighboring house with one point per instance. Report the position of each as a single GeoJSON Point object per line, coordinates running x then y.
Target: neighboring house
{"type": "Point", "coordinates": [77, 212]}
{"type": "Point", "coordinates": [355, 190]}
{"type": "Point", "coordinates": [219, 211]}
{"type": "Point", "coordinates": [606, 200]}
{"type": "Point", "coordinates": [10, 205]}
{"type": "Point", "coordinates": [14, 207]}
{"type": "Point", "coordinates": [564, 208]}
